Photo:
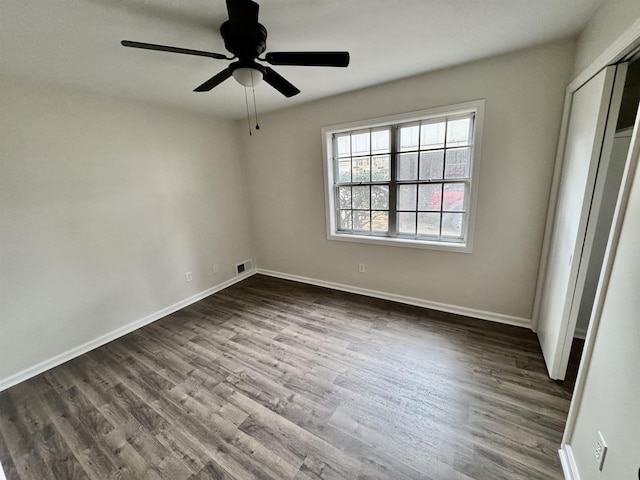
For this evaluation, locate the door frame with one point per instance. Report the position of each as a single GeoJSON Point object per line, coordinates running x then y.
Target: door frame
{"type": "Point", "coordinates": [620, 50]}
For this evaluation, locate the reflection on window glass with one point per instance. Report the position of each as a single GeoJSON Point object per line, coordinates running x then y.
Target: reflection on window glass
{"type": "Point", "coordinates": [407, 166]}
{"type": "Point", "coordinates": [344, 145]}
{"type": "Point", "coordinates": [428, 223]}
{"type": "Point", "coordinates": [407, 223]}
{"type": "Point", "coordinates": [360, 144]}
{"type": "Point", "coordinates": [380, 221]}
{"type": "Point", "coordinates": [381, 168]}
{"type": "Point", "coordinates": [452, 225]}
{"type": "Point", "coordinates": [453, 197]}
{"type": "Point", "coordinates": [430, 196]}
{"type": "Point", "coordinates": [407, 195]}
{"type": "Point", "coordinates": [361, 220]}
{"type": "Point", "coordinates": [380, 197]}
{"type": "Point", "coordinates": [344, 170]}
{"type": "Point", "coordinates": [360, 198]}
{"type": "Point", "coordinates": [432, 135]}
{"type": "Point", "coordinates": [409, 138]}
{"type": "Point", "coordinates": [380, 141]}
{"type": "Point", "coordinates": [458, 132]}
{"type": "Point", "coordinates": [344, 194]}
{"type": "Point", "coordinates": [360, 169]}
{"type": "Point", "coordinates": [431, 165]}
{"type": "Point", "coordinates": [345, 220]}
{"type": "Point", "coordinates": [457, 160]}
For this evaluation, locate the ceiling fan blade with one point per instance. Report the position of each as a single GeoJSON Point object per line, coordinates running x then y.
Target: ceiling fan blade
{"type": "Point", "coordinates": [214, 81]}
{"type": "Point", "coordinates": [311, 59]}
{"type": "Point", "coordinates": [278, 82]}
{"type": "Point", "coordinates": [243, 16]}
{"type": "Point", "coordinates": [165, 48]}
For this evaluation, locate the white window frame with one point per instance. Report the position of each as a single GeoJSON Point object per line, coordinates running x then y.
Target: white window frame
{"type": "Point", "coordinates": [465, 244]}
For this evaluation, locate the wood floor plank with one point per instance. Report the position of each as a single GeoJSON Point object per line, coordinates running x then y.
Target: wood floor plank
{"type": "Point", "coordinates": [271, 379]}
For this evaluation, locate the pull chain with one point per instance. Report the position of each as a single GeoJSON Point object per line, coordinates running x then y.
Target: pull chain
{"type": "Point", "coordinates": [246, 101]}
{"type": "Point", "coordinates": [255, 107]}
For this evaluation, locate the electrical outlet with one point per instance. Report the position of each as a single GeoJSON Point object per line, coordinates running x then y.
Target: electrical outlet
{"type": "Point", "coordinates": [188, 277]}
{"type": "Point", "coordinates": [216, 268]}
{"type": "Point", "coordinates": [361, 267]}
{"type": "Point", "coordinates": [601, 451]}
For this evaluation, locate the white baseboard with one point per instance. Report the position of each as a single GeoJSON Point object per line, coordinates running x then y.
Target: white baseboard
{"type": "Point", "coordinates": [569, 467]}
{"type": "Point", "coordinates": [418, 302]}
{"type": "Point", "coordinates": [97, 342]}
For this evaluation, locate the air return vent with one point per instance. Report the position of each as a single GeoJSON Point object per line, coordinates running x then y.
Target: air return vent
{"type": "Point", "coordinates": [244, 267]}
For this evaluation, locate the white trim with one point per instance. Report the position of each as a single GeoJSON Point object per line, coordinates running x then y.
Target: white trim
{"type": "Point", "coordinates": [418, 302]}
{"type": "Point", "coordinates": [569, 466]}
{"type": "Point", "coordinates": [2, 477]}
{"type": "Point", "coordinates": [624, 45]}
{"type": "Point", "coordinates": [108, 337]}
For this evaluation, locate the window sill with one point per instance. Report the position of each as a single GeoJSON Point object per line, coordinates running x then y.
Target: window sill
{"type": "Point", "coordinates": [403, 242]}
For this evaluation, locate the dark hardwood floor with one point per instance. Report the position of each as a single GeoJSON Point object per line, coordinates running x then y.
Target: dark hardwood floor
{"type": "Point", "coordinates": [271, 379]}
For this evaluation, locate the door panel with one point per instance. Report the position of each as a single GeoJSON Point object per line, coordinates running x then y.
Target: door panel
{"type": "Point", "coordinates": [585, 136]}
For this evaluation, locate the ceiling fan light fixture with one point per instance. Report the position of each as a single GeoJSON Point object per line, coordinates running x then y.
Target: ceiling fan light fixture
{"type": "Point", "coordinates": [248, 77]}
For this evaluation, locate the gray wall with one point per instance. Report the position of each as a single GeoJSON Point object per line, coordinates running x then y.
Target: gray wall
{"type": "Point", "coordinates": [104, 205]}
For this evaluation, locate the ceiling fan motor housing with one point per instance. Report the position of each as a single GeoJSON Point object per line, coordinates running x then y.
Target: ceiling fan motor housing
{"type": "Point", "coordinates": [245, 47]}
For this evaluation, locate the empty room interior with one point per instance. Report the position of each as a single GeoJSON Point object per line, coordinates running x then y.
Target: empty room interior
{"type": "Point", "coordinates": [386, 240]}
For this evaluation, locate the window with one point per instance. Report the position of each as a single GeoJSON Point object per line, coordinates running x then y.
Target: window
{"type": "Point", "coordinates": [404, 180]}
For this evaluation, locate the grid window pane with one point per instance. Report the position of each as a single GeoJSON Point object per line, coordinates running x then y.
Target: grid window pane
{"type": "Point", "coordinates": [360, 144]}
{"type": "Point", "coordinates": [360, 198]}
{"type": "Point", "coordinates": [430, 197]}
{"type": "Point", "coordinates": [453, 197]}
{"type": "Point", "coordinates": [381, 141]}
{"type": "Point", "coordinates": [379, 221]}
{"type": "Point", "coordinates": [458, 132]}
{"type": "Point", "coordinates": [409, 138]}
{"type": "Point", "coordinates": [361, 169]}
{"type": "Point", "coordinates": [432, 135]}
{"type": "Point", "coordinates": [361, 220]}
{"type": "Point", "coordinates": [408, 166]}
{"type": "Point", "coordinates": [344, 145]}
{"type": "Point", "coordinates": [345, 220]}
{"type": "Point", "coordinates": [381, 168]}
{"type": "Point", "coordinates": [410, 180]}
{"type": "Point", "coordinates": [380, 197]}
{"type": "Point", "coordinates": [344, 170]}
{"type": "Point", "coordinates": [431, 165]}
{"type": "Point", "coordinates": [407, 223]}
{"type": "Point", "coordinates": [429, 223]}
{"type": "Point", "coordinates": [344, 194]}
{"type": "Point", "coordinates": [458, 163]}
{"type": "Point", "coordinates": [407, 195]}
{"type": "Point", "coordinates": [452, 224]}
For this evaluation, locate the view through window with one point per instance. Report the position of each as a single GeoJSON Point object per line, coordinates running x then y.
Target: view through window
{"type": "Point", "coordinates": [409, 181]}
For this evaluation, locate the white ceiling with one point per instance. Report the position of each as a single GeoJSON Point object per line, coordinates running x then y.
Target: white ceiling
{"type": "Point", "coordinates": [77, 42]}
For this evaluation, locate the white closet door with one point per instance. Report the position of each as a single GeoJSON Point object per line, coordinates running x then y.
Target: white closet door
{"type": "Point", "coordinates": [585, 137]}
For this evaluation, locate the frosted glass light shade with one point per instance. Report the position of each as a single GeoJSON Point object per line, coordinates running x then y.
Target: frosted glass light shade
{"type": "Point", "coordinates": [248, 77]}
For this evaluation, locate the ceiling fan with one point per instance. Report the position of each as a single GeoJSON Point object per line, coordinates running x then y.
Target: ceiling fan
{"type": "Point", "coordinates": [246, 39]}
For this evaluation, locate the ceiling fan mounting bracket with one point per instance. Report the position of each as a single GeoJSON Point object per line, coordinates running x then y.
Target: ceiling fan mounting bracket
{"type": "Point", "coordinates": [244, 46]}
